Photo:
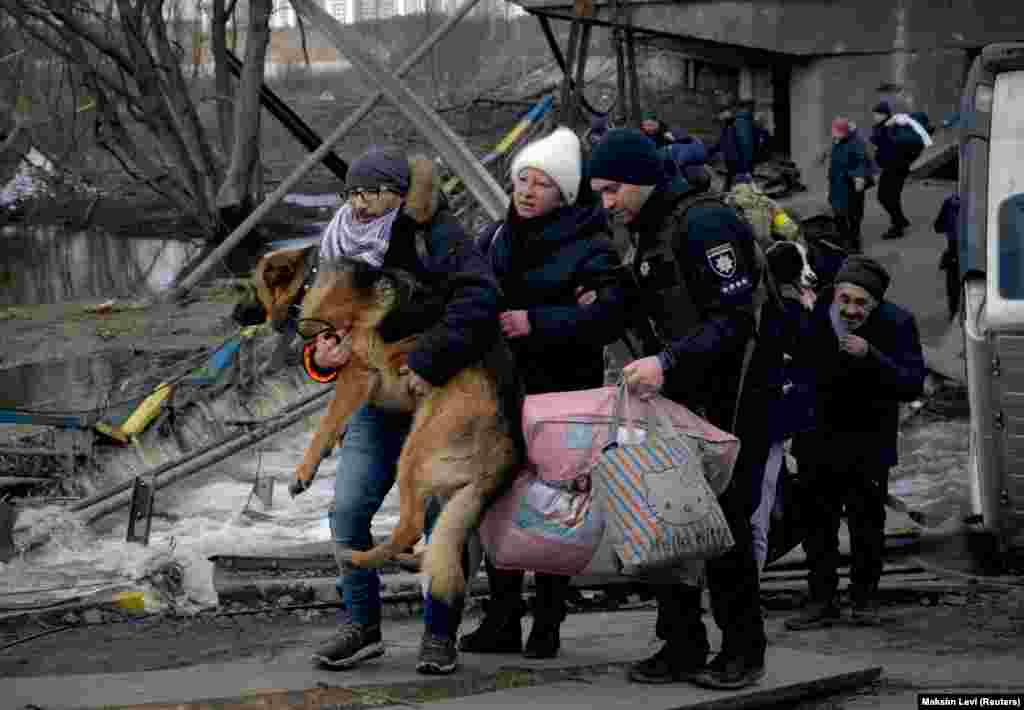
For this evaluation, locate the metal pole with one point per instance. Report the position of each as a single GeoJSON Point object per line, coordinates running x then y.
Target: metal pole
{"type": "Point", "coordinates": [313, 159]}
{"type": "Point", "coordinates": [634, 79]}
{"type": "Point", "coordinates": [620, 65]}
{"type": "Point", "coordinates": [581, 69]}
{"type": "Point", "coordinates": [556, 52]}
{"type": "Point", "coordinates": [549, 34]}
{"type": "Point", "coordinates": [453, 151]}
{"type": "Point", "coordinates": [291, 120]}
{"type": "Point", "coordinates": [565, 111]}
{"type": "Point", "coordinates": [621, 102]}
{"type": "Point", "coordinates": [183, 470]}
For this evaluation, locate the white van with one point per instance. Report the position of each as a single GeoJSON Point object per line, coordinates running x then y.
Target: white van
{"type": "Point", "coordinates": [991, 235]}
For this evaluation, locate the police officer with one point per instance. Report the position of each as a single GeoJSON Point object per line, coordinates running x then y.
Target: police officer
{"type": "Point", "coordinates": [693, 260]}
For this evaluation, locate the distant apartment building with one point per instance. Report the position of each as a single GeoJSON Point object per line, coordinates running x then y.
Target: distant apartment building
{"type": "Point", "coordinates": [349, 11]}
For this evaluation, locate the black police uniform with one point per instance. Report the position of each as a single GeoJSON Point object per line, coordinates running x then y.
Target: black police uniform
{"type": "Point", "coordinates": [698, 280]}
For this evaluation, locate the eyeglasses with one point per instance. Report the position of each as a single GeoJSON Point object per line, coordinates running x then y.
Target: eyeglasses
{"type": "Point", "coordinates": [312, 328]}
{"type": "Point", "coordinates": [365, 194]}
{"type": "Point", "coordinates": [610, 189]}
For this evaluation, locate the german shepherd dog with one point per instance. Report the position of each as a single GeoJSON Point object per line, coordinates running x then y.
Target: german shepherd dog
{"type": "Point", "coordinates": [465, 444]}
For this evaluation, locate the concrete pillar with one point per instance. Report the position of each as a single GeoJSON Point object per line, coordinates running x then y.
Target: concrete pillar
{"type": "Point", "coordinates": [807, 118]}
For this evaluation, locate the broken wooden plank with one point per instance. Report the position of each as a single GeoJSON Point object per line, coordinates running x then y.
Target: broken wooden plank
{"type": "Point", "coordinates": [790, 676]}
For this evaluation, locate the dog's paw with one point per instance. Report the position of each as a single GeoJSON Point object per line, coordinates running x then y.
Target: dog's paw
{"type": "Point", "coordinates": [409, 562]}
{"type": "Point", "coordinates": [298, 487]}
{"type": "Point", "coordinates": [370, 559]}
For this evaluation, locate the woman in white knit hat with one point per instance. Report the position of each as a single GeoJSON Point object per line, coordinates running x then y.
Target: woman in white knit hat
{"type": "Point", "coordinates": [553, 245]}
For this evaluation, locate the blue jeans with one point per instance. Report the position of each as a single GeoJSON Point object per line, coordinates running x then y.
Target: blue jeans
{"type": "Point", "coordinates": [367, 467]}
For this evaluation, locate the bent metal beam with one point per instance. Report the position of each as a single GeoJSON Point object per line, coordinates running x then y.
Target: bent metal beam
{"type": "Point", "coordinates": [314, 158]}
{"type": "Point", "coordinates": [431, 126]}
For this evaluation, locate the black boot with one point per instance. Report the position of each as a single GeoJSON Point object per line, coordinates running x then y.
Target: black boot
{"type": "Point", "coordinates": [544, 640]}
{"type": "Point", "coordinates": [548, 614]}
{"type": "Point", "coordinates": [679, 624]}
{"type": "Point", "coordinates": [501, 630]}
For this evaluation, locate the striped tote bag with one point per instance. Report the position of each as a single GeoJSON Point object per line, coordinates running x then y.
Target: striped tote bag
{"type": "Point", "coordinates": [660, 510]}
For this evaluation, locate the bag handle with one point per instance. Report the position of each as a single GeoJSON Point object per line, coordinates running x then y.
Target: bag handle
{"type": "Point", "coordinates": [654, 420]}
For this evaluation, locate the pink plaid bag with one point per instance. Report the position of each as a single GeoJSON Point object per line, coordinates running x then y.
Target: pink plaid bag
{"type": "Point", "coordinates": [549, 520]}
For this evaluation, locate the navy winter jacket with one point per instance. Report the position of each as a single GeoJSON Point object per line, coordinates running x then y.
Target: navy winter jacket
{"type": "Point", "coordinates": [687, 151]}
{"type": "Point", "coordinates": [791, 384]}
{"type": "Point", "coordinates": [848, 160]}
{"type": "Point", "coordinates": [468, 329]}
{"type": "Point", "coordinates": [858, 399]}
{"type": "Point", "coordinates": [897, 147]}
{"type": "Point", "coordinates": [539, 264]}
{"type": "Point", "coordinates": [737, 143]}
{"type": "Point", "coordinates": [704, 325]}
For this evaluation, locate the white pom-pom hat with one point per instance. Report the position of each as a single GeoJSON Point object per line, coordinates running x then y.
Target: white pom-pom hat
{"type": "Point", "coordinates": [558, 156]}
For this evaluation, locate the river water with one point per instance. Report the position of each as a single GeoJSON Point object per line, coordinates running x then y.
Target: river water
{"type": "Point", "coordinates": [205, 515]}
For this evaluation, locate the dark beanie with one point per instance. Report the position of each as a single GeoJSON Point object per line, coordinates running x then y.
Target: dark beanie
{"type": "Point", "coordinates": [884, 107]}
{"type": "Point", "coordinates": [865, 272]}
{"type": "Point", "coordinates": [379, 167]}
{"type": "Point", "coordinates": [627, 156]}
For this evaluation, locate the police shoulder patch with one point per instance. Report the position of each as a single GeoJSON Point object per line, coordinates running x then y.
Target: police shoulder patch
{"type": "Point", "coordinates": [722, 260]}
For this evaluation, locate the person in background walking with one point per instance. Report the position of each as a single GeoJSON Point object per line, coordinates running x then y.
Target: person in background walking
{"type": "Point", "coordinates": [898, 141]}
{"type": "Point", "coordinates": [868, 359]}
{"type": "Point", "coordinates": [552, 248]}
{"type": "Point", "coordinates": [947, 223]}
{"type": "Point", "coordinates": [736, 143]}
{"type": "Point", "coordinates": [655, 129]}
{"type": "Point", "coordinates": [848, 178]}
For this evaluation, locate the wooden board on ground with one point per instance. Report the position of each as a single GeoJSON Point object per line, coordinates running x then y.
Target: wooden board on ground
{"type": "Point", "coordinates": [791, 676]}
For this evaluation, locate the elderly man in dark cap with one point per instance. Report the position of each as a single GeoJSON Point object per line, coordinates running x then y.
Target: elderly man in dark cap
{"type": "Point", "coordinates": [867, 357]}
{"type": "Point", "coordinates": [391, 203]}
{"type": "Point", "coordinates": [697, 284]}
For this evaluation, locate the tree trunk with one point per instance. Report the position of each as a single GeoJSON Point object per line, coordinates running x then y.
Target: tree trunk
{"type": "Point", "coordinates": [234, 195]}
{"type": "Point", "coordinates": [222, 77]}
{"type": "Point", "coordinates": [183, 110]}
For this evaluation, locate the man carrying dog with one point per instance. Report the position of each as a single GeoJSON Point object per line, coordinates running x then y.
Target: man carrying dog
{"type": "Point", "coordinates": [867, 357]}
{"type": "Point", "coordinates": [699, 281]}
{"type": "Point", "coordinates": [394, 216]}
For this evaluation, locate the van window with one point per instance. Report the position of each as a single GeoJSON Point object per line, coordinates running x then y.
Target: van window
{"type": "Point", "coordinates": [1006, 178]}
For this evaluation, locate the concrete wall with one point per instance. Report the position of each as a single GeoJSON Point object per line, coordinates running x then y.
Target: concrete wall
{"type": "Point", "coordinates": [847, 86]}
{"type": "Point", "coordinates": [815, 27]}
